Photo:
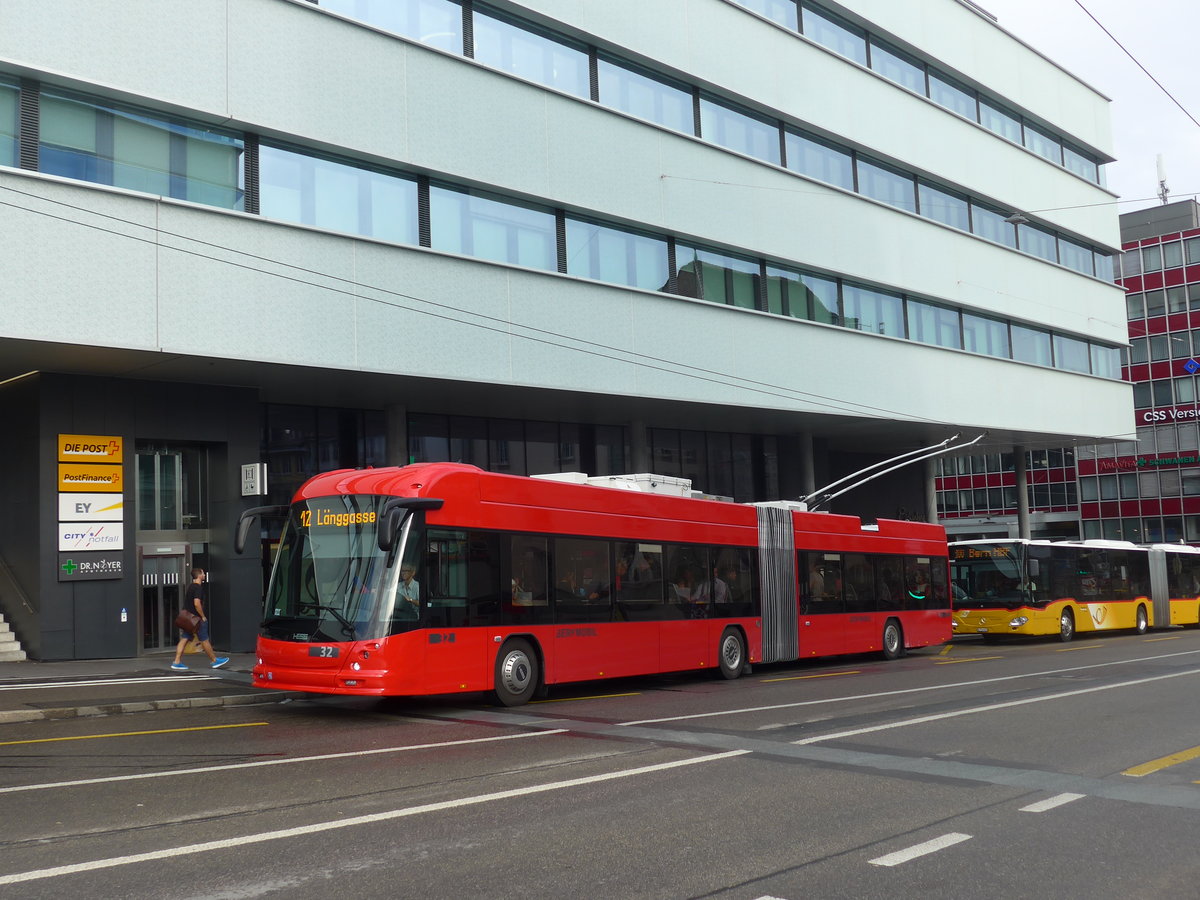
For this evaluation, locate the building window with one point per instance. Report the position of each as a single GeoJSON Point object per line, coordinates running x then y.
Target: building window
{"type": "Point", "coordinates": [616, 256]}
{"type": "Point", "coordinates": [839, 36]}
{"type": "Point", "coordinates": [9, 96]}
{"type": "Point", "coordinates": [1106, 361]}
{"type": "Point", "coordinates": [1135, 306]}
{"type": "Point", "coordinates": [1043, 143]}
{"type": "Point", "coordinates": [887, 185]}
{"type": "Point", "coordinates": [819, 160]}
{"type": "Point", "coordinates": [1071, 354]}
{"type": "Point", "coordinates": [437, 23]}
{"type": "Point", "coordinates": [1156, 303]}
{"type": "Point", "coordinates": [1075, 256]}
{"type": "Point", "coordinates": [1031, 345]}
{"type": "Point", "coordinates": [645, 96]}
{"type": "Point", "coordinates": [897, 66]}
{"type": "Point", "coordinates": [299, 188]}
{"type": "Point", "coordinates": [1191, 249]}
{"type": "Point", "coordinates": [952, 95]}
{"type": "Point", "coordinates": [530, 54]}
{"type": "Point", "coordinates": [932, 324]}
{"type": "Point", "coordinates": [1037, 241]}
{"type": "Point", "coordinates": [998, 119]}
{"type": "Point", "coordinates": [717, 277]}
{"type": "Point", "coordinates": [990, 224]}
{"type": "Point", "coordinates": [945, 207]}
{"type": "Point", "coordinates": [782, 11]}
{"type": "Point", "coordinates": [878, 312]}
{"type": "Point", "coordinates": [1172, 254]}
{"type": "Point", "coordinates": [739, 131]}
{"type": "Point", "coordinates": [475, 224]}
{"type": "Point", "coordinates": [1176, 299]}
{"type": "Point", "coordinates": [987, 336]}
{"type": "Point", "coordinates": [1080, 163]}
{"type": "Point", "coordinates": [126, 148]}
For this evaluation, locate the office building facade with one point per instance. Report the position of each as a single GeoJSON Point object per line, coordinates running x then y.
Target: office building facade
{"type": "Point", "coordinates": [755, 244]}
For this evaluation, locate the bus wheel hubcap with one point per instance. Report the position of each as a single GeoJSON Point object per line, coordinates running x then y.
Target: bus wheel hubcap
{"type": "Point", "coordinates": [516, 672]}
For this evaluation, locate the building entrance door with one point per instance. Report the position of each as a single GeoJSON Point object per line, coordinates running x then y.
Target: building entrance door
{"type": "Point", "coordinates": [164, 571]}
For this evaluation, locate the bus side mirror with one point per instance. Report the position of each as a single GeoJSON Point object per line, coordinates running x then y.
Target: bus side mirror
{"type": "Point", "coordinates": [389, 528]}
{"type": "Point", "coordinates": [247, 519]}
{"type": "Point", "coordinates": [393, 515]}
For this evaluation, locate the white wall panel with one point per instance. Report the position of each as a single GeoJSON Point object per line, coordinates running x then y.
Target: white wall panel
{"type": "Point", "coordinates": [172, 50]}
{"type": "Point", "coordinates": [260, 299]}
{"type": "Point", "coordinates": [78, 266]}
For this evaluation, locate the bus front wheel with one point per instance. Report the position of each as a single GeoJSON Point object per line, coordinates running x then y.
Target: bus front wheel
{"type": "Point", "coordinates": [731, 653]}
{"type": "Point", "coordinates": [516, 673]}
{"type": "Point", "coordinates": [1142, 623]}
{"type": "Point", "coordinates": [1066, 626]}
{"type": "Point", "coordinates": [893, 640]}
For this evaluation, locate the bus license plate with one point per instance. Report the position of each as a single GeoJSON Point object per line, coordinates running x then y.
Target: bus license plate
{"type": "Point", "coordinates": [323, 652]}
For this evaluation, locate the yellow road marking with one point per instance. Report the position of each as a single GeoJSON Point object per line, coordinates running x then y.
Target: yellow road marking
{"type": "Point", "coordinates": [1173, 637]}
{"type": "Point", "coordinates": [1162, 762]}
{"type": "Point", "coordinates": [1084, 647]}
{"type": "Point", "coordinates": [950, 662]}
{"type": "Point", "coordinates": [596, 697]}
{"type": "Point", "coordinates": [802, 677]}
{"type": "Point", "coordinates": [946, 649]}
{"type": "Point", "coordinates": [92, 737]}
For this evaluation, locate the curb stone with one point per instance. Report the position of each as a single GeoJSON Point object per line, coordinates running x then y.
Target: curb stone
{"type": "Point", "coordinates": [109, 709]}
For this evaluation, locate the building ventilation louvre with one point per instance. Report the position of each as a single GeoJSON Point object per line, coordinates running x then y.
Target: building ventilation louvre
{"type": "Point", "coordinates": [30, 125]}
{"type": "Point", "coordinates": [777, 580]}
{"type": "Point", "coordinates": [252, 177]}
{"type": "Point", "coordinates": [468, 27]}
{"type": "Point", "coordinates": [424, 225]}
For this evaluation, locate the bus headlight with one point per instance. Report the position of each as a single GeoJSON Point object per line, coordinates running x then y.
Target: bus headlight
{"type": "Point", "coordinates": [356, 666]}
{"type": "Point", "coordinates": [1018, 622]}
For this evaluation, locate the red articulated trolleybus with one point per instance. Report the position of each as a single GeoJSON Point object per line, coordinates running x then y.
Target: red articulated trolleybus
{"type": "Point", "coordinates": [438, 578]}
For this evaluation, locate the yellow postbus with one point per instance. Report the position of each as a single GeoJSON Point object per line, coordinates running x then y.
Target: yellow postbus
{"type": "Point", "coordinates": [1063, 587]}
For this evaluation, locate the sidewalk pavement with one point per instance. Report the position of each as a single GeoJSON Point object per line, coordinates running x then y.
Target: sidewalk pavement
{"type": "Point", "coordinates": [31, 690]}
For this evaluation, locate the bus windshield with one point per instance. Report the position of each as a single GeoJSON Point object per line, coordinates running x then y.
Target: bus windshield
{"type": "Point", "coordinates": [331, 582]}
{"type": "Point", "coordinates": [988, 575]}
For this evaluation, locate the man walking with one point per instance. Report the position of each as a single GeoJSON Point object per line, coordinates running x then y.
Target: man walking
{"type": "Point", "coordinates": [195, 600]}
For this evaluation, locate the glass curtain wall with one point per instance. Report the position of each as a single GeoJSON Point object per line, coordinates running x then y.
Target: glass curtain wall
{"type": "Point", "coordinates": [112, 145]}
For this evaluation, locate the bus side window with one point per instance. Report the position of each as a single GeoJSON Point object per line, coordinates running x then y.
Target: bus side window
{"type": "Point", "coordinates": [889, 588]}
{"type": "Point", "coordinates": [583, 583]}
{"type": "Point", "coordinates": [528, 597]}
{"type": "Point", "coordinates": [860, 583]}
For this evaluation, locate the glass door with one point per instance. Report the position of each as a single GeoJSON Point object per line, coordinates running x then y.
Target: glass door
{"type": "Point", "coordinates": [164, 572]}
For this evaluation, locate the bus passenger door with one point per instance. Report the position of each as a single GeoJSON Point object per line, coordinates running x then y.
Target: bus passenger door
{"type": "Point", "coordinates": [822, 607]}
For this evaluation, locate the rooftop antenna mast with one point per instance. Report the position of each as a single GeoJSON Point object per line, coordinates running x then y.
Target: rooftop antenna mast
{"type": "Point", "coordinates": [1163, 190]}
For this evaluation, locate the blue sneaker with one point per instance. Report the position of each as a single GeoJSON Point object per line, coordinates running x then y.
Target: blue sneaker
{"type": "Point", "coordinates": [218, 662]}
{"type": "Point", "coordinates": [179, 667]}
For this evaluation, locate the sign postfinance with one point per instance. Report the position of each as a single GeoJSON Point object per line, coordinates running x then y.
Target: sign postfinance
{"type": "Point", "coordinates": [95, 448]}
{"type": "Point", "coordinates": [105, 479]}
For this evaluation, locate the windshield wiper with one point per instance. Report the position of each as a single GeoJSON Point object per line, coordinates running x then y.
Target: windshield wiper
{"type": "Point", "coordinates": [347, 625]}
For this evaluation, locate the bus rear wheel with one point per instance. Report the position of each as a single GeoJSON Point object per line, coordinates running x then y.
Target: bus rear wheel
{"type": "Point", "coordinates": [1066, 626]}
{"type": "Point", "coordinates": [893, 640]}
{"type": "Point", "coordinates": [516, 673]}
{"type": "Point", "coordinates": [1142, 622]}
{"type": "Point", "coordinates": [731, 653]}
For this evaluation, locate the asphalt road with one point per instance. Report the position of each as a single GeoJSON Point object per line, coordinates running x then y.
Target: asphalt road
{"type": "Point", "coordinates": [1033, 769]}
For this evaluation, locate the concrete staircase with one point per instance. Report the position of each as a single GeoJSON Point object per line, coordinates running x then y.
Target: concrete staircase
{"type": "Point", "coordinates": [10, 647]}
